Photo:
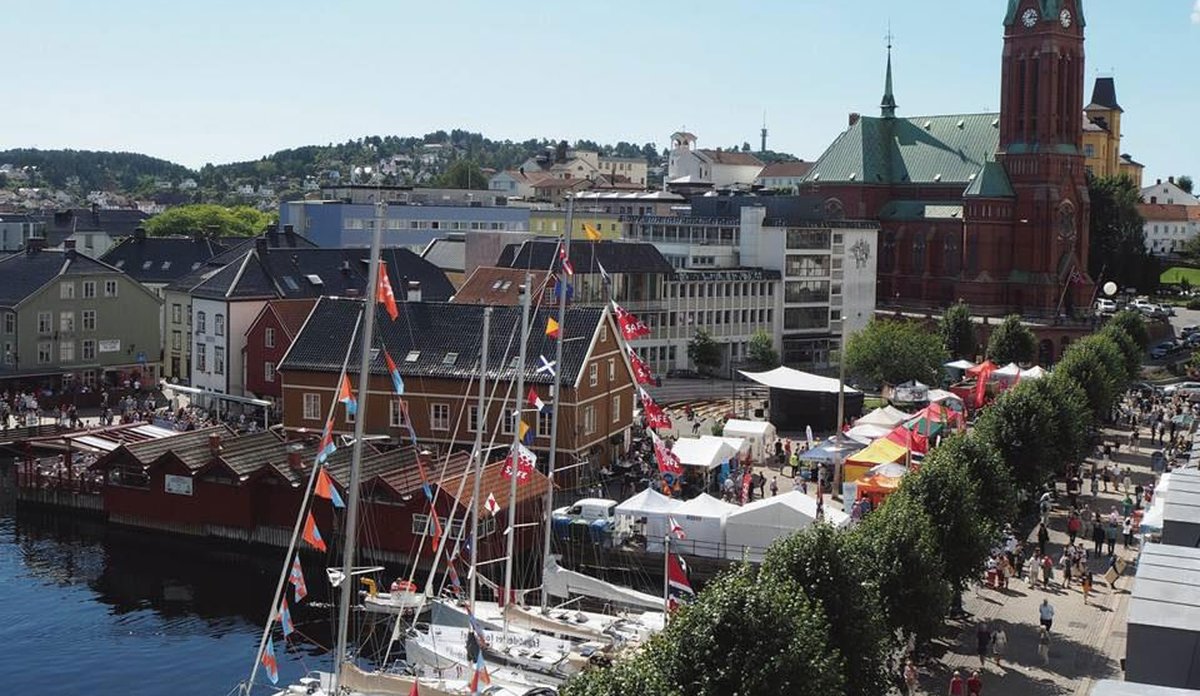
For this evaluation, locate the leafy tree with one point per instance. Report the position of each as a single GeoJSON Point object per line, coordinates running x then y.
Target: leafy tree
{"type": "Point", "coordinates": [704, 352]}
{"type": "Point", "coordinates": [761, 351]}
{"type": "Point", "coordinates": [1184, 182]}
{"type": "Point", "coordinates": [986, 466]}
{"type": "Point", "coordinates": [463, 174]}
{"type": "Point", "coordinates": [891, 352]}
{"type": "Point", "coordinates": [1012, 342]}
{"type": "Point", "coordinates": [958, 331]}
{"type": "Point", "coordinates": [826, 564]}
{"type": "Point", "coordinates": [1073, 418]}
{"type": "Point", "coordinates": [239, 221]}
{"type": "Point", "coordinates": [902, 547]}
{"type": "Point", "coordinates": [950, 497]}
{"type": "Point", "coordinates": [1129, 348]}
{"type": "Point", "coordinates": [1019, 425]}
{"type": "Point", "coordinates": [1132, 323]}
{"type": "Point", "coordinates": [1095, 364]}
{"type": "Point", "coordinates": [1117, 242]}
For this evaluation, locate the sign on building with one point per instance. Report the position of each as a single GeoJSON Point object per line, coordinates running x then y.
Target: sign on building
{"type": "Point", "coordinates": [110, 345]}
{"type": "Point", "coordinates": [178, 485]}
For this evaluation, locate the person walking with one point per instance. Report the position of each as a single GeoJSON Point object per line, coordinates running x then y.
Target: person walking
{"type": "Point", "coordinates": [999, 645]}
{"type": "Point", "coordinates": [1098, 537]}
{"type": "Point", "coordinates": [1043, 537]}
{"type": "Point", "coordinates": [774, 486]}
{"type": "Point", "coordinates": [1047, 570]}
{"type": "Point", "coordinates": [1046, 614]}
{"type": "Point", "coordinates": [1086, 584]}
{"type": "Point", "coordinates": [1065, 562]}
{"type": "Point", "coordinates": [1127, 481]}
{"type": "Point", "coordinates": [983, 641]}
{"type": "Point", "coordinates": [958, 687]}
{"type": "Point", "coordinates": [974, 685]}
{"type": "Point", "coordinates": [1095, 485]}
{"type": "Point", "coordinates": [1127, 531]}
{"type": "Point", "coordinates": [1110, 537]}
{"type": "Point", "coordinates": [1074, 524]}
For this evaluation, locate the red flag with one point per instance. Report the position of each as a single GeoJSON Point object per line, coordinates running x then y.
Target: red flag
{"type": "Point", "coordinates": [655, 416]}
{"type": "Point", "coordinates": [631, 326]}
{"type": "Point", "coordinates": [414, 691]}
{"type": "Point", "coordinates": [676, 529]}
{"type": "Point", "coordinates": [679, 590]}
{"type": "Point", "coordinates": [566, 262]}
{"type": "Point", "coordinates": [313, 535]}
{"type": "Point", "coordinates": [526, 460]}
{"type": "Point", "coordinates": [981, 383]}
{"type": "Point", "coordinates": [641, 371]}
{"type": "Point", "coordinates": [325, 489]}
{"type": "Point", "coordinates": [668, 461]}
{"type": "Point", "coordinates": [384, 294]}
{"type": "Point", "coordinates": [535, 400]}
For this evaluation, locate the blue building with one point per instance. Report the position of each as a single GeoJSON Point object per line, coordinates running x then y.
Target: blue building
{"type": "Point", "coordinates": [334, 223]}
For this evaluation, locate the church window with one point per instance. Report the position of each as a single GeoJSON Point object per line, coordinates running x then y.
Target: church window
{"type": "Point", "coordinates": [834, 210]}
{"type": "Point", "coordinates": [887, 258]}
{"type": "Point", "coordinates": [953, 248]}
{"type": "Point", "coordinates": [918, 252]}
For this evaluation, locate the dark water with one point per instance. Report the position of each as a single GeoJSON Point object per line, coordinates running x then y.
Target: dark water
{"type": "Point", "coordinates": [92, 609]}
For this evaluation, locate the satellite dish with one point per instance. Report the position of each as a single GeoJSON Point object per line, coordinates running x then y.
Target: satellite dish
{"type": "Point", "coordinates": [1110, 288]}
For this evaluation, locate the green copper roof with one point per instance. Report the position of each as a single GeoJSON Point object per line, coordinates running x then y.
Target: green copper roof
{"type": "Point", "coordinates": [920, 149]}
{"type": "Point", "coordinates": [991, 182]}
{"type": "Point", "coordinates": [1049, 12]}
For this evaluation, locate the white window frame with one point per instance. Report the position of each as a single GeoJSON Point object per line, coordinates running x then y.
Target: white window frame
{"type": "Point", "coordinates": [66, 290]}
{"type": "Point", "coordinates": [201, 322]}
{"type": "Point", "coordinates": [395, 413]}
{"type": "Point", "coordinates": [10, 322]}
{"type": "Point", "coordinates": [311, 405]}
{"type": "Point", "coordinates": [89, 289]}
{"type": "Point", "coordinates": [593, 374]}
{"type": "Point", "coordinates": [219, 324]}
{"type": "Point", "coordinates": [269, 337]}
{"type": "Point", "coordinates": [66, 351]}
{"type": "Point", "coordinates": [111, 288]}
{"type": "Point", "coordinates": [176, 313]}
{"type": "Point", "coordinates": [612, 369]}
{"type": "Point", "coordinates": [509, 422]}
{"type": "Point", "coordinates": [544, 423]}
{"type": "Point", "coordinates": [201, 357]}
{"type": "Point", "coordinates": [88, 349]}
{"type": "Point", "coordinates": [176, 340]}
{"type": "Point", "coordinates": [218, 360]}
{"type": "Point", "coordinates": [45, 353]}
{"type": "Point", "coordinates": [88, 321]}
{"type": "Point", "coordinates": [66, 322]}
{"type": "Point", "coordinates": [589, 419]}
{"type": "Point", "coordinates": [45, 323]}
{"type": "Point", "coordinates": [616, 408]}
{"type": "Point", "coordinates": [439, 416]}
{"type": "Point", "coordinates": [268, 371]}
{"type": "Point", "coordinates": [473, 420]}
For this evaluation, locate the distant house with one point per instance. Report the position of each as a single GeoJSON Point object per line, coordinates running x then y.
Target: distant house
{"type": "Point", "coordinates": [158, 261]}
{"type": "Point", "coordinates": [720, 168]}
{"type": "Point", "coordinates": [515, 183]}
{"type": "Point", "coordinates": [94, 229]}
{"type": "Point", "coordinates": [783, 176]}
{"type": "Point", "coordinates": [268, 339]}
{"type": "Point", "coordinates": [17, 228]}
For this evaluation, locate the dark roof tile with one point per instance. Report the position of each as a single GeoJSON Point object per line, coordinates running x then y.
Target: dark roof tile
{"type": "Point", "coordinates": [615, 256]}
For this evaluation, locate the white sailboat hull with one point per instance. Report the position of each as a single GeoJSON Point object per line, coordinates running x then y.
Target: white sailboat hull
{"type": "Point", "coordinates": [357, 682]}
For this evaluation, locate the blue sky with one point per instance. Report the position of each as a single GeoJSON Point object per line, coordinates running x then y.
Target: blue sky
{"type": "Point", "coordinates": [219, 80]}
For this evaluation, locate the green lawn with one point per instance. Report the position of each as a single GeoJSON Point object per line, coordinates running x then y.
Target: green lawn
{"type": "Point", "coordinates": [1173, 275]}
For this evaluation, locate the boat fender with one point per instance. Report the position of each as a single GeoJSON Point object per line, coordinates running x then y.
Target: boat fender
{"type": "Point", "coordinates": [372, 589]}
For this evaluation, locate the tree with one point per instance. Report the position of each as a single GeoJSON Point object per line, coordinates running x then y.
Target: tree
{"type": "Point", "coordinates": [893, 352]}
{"type": "Point", "coordinates": [238, 221]}
{"type": "Point", "coordinates": [1132, 323]}
{"type": "Point", "coordinates": [1073, 418]}
{"type": "Point", "coordinates": [1117, 243]}
{"type": "Point", "coordinates": [1019, 425]}
{"type": "Point", "coordinates": [950, 497]}
{"type": "Point", "coordinates": [1129, 348]}
{"type": "Point", "coordinates": [958, 331]}
{"type": "Point", "coordinates": [825, 563]}
{"type": "Point", "coordinates": [463, 174]}
{"type": "Point", "coordinates": [1012, 342]}
{"type": "Point", "coordinates": [984, 464]}
{"type": "Point", "coordinates": [1184, 182]}
{"type": "Point", "coordinates": [761, 351]}
{"type": "Point", "coordinates": [1095, 364]}
{"type": "Point", "coordinates": [704, 352]}
{"type": "Point", "coordinates": [902, 547]}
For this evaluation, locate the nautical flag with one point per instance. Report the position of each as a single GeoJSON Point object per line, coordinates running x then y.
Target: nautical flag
{"type": "Point", "coordinates": [313, 535]}
{"type": "Point", "coordinates": [397, 383]}
{"type": "Point", "coordinates": [527, 433]}
{"type": "Point", "coordinates": [269, 662]}
{"type": "Point", "coordinates": [656, 417]}
{"type": "Point", "coordinates": [491, 504]}
{"type": "Point", "coordinates": [679, 590]}
{"type": "Point", "coordinates": [547, 365]}
{"type": "Point", "coordinates": [326, 489]}
{"type": "Point", "coordinates": [536, 401]}
{"type": "Point", "coordinates": [552, 328]}
{"type": "Point", "coordinates": [384, 294]}
{"type": "Point", "coordinates": [476, 629]}
{"type": "Point", "coordinates": [641, 371]}
{"type": "Point", "coordinates": [437, 527]}
{"type": "Point", "coordinates": [570, 290]}
{"type": "Point", "coordinates": [631, 326]}
{"type": "Point", "coordinates": [285, 619]}
{"type": "Point", "coordinates": [591, 232]}
{"type": "Point", "coordinates": [346, 395]}
{"type": "Point", "coordinates": [297, 579]}
{"type": "Point", "coordinates": [676, 529]}
{"type": "Point", "coordinates": [481, 677]}
{"type": "Point", "coordinates": [326, 446]}
{"type": "Point", "coordinates": [526, 461]}
{"type": "Point", "coordinates": [1077, 278]}
{"type": "Point", "coordinates": [668, 461]}
{"type": "Point", "coordinates": [603, 273]}
{"type": "Point", "coordinates": [414, 691]}
{"type": "Point", "coordinates": [567, 266]}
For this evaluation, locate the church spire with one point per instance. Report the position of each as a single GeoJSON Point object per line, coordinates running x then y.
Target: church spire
{"type": "Point", "coordinates": [887, 107]}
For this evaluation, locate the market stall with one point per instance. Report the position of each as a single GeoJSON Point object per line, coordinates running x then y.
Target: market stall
{"type": "Point", "coordinates": [646, 513]}
{"type": "Point", "coordinates": [703, 522]}
{"type": "Point", "coordinates": [882, 451]}
{"type": "Point", "coordinates": [800, 398]}
{"type": "Point", "coordinates": [885, 416]}
{"type": "Point", "coordinates": [880, 482]}
{"type": "Point", "coordinates": [750, 529]}
{"type": "Point", "coordinates": [701, 456]}
{"type": "Point", "coordinates": [759, 434]}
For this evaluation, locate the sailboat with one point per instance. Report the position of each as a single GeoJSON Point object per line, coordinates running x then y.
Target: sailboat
{"type": "Point", "coordinates": [346, 677]}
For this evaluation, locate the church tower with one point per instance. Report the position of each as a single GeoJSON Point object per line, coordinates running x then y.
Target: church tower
{"type": "Point", "coordinates": [1041, 150]}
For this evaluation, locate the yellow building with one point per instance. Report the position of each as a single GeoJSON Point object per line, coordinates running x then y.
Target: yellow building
{"type": "Point", "coordinates": [552, 222]}
{"type": "Point", "coordinates": [1102, 134]}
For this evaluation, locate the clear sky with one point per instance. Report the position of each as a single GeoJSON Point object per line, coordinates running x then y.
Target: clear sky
{"type": "Point", "coordinates": [219, 80]}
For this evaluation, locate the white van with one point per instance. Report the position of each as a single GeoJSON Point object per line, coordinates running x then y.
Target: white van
{"type": "Point", "coordinates": [590, 509]}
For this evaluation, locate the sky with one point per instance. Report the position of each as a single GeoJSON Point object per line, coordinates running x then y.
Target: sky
{"type": "Point", "coordinates": [219, 80]}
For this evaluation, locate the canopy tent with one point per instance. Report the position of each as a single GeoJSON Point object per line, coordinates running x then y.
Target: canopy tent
{"type": "Point", "coordinates": [950, 399]}
{"type": "Point", "coordinates": [655, 508]}
{"type": "Point", "coordinates": [867, 433]}
{"type": "Point", "coordinates": [703, 522]}
{"type": "Point", "coordinates": [750, 529]}
{"type": "Point", "coordinates": [910, 439]}
{"type": "Point", "coordinates": [1034, 372]}
{"type": "Point", "coordinates": [759, 434]}
{"type": "Point", "coordinates": [886, 416]}
{"type": "Point", "coordinates": [794, 380]}
{"type": "Point", "coordinates": [830, 450]}
{"type": "Point", "coordinates": [882, 451]}
{"type": "Point", "coordinates": [1010, 371]}
{"type": "Point", "coordinates": [799, 398]}
{"type": "Point", "coordinates": [933, 419]}
{"type": "Point", "coordinates": [960, 365]}
{"type": "Point", "coordinates": [705, 454]}
{"type": "Point", "coordinates": [880, 482]}
{"type": "Point", "coordinates": [739, 444]}
{"type": "Point", "coordinates": [985, 366]}
{"type": "Point", "coordinates": [910, 392]}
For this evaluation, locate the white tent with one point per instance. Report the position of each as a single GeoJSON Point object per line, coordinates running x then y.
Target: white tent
{"type": "Point", "coordinates": [795, 380]}
{"type": "Point", "coordinates": [760, 435]}
{"type": "Point", "coordinates": [884, 416]}
{"type": "Point", "coordinates": [960, 365]}
{"type": "Point", "coordinates": [739, 444]}
{"type": "Point", "coordinates": [655, 508]}
{"type": "Point", "coordinates": [1009, 371]}
{"type": "Point", "coordinates": [1034, 372]}
{"type": "Point", "coordinates": [936, 396]}
{"type": "Point", "coordinates": [866, 433]}
{"type": "Point", "coordinates": [703, 521]}
{"type": "Point", "coordinates": [750, 529]}
{"type": "Point", "coordinates": [703, 453]}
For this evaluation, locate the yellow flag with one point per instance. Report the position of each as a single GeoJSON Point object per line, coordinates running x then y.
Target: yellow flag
{"type": "Point", "coordinates": [591, 232]}
{"type": "Point", "coordinates": [551, 327]}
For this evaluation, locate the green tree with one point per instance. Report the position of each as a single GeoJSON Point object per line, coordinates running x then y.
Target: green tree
{"type": "Point", "coordinates": [902, 547]}
{"type": "Point", "coordinates": [1132, 323]}
{"type": "Point", "coordinates": [239, 221]}
{"type": "Point", "coordinates": [1012, 342]}
{"type": "Point", "coordinates": [704, 352]}
{"type": "Point", "coordinates": [985, 465]}
{"type": "Point", "coordinates": [958, 331]}
{"type": "Point", "coordinates": [1019, 425]}
{"type": "Point", "coordinates": [1129, 348]}
{"type": "Point", "coordinates": [1073, 418]}
{"type": "Point", "coordinates": [761, 351]}
{"type": "Point", "coordinates": [1184, 182]}
{"type": "Point", "coordinates": [826, 563]}
{"type": "Point", "coordinates": [892, 352]}
{"type": "Point", "coordinates": [950, 497]}
{"type": "Point", "coordinates": [1117, 242]}
{"type": "Point", "coordinates": [1095, 364]}
{"type": "Point", "coordinates": [463, 174]}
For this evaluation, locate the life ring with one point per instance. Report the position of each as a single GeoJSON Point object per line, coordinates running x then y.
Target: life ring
{"type": "Point", "coordinates": [403, 586]}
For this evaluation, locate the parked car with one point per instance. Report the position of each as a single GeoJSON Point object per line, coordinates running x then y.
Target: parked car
{"type": "Point", "coordinates": [1189, 330]}
{"type": "Point", "coordinates": [1182, 388]}
{"type": "Point", "coordinates": [1192, 340]}
{"type": "Point", "coordinates": [1163, 349]}
{"type": "Point", "coordinates": [1105, 306]}
{"type": "Point", "coordinates": [684, 374]}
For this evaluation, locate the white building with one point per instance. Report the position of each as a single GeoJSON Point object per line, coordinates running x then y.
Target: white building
{"type": "Point", "coordinates": [720, 168]}
{"type": "Point", "coordinates": [1168, 193]}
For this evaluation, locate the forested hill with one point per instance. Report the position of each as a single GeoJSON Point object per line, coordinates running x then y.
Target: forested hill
{"type": "Point", "coordinates": [90, 170]}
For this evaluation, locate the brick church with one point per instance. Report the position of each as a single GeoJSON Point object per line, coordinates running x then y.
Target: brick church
{"type": "Point", "coordinates": [991, 208]}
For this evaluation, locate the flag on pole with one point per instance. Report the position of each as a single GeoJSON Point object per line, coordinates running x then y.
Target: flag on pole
{"type": "Point", "coordinates": [481, 677]}
{"type": "Point", "coordinates": [641, 371]}
{"type": "Point", "coordinates": [415, 691]}
{"type": "Point", "coordinates": [679, 590]}
{"type": "Point", "coordinates": [567, 266]}
{"type": "Point", "coordinates": [326, 446]}
{"type": "Point", "coordinates": [326, 489]}
{"type": "Point", "coordinates": [526, 461]}
{"type": "Point", "coordinates": [285, 619]}
{"type": "Point", "coordinates": [397, 383]}
{"type": "Point", "coordinates": [604, 277]}
{"type": "Point", "coordinates": [297, 579]}
{"type": "Point", "coordinates": [491, 504]}
{"type": "Point", "coordinates": [547, 366]}
{"type": "Point", "coordinates": [552, 328]}
{"type": "Point", "coordinates": [313, 535]}
{"type": "Point", "coordinates": [676, 529]}
{"type": "Point", "coordinates": [631, 326]}
{"type": "Point", "coordinates": [269, 661]}
{"type": "Point", "coordinates": [437, 528]}
{"type": "Point", "coordinates": [591, 232]}
{"type": "Point", "coordinates": [558, 290]}
{"type": "Point", "coordinates": [656, 417]}
{"type": "Point", "coordinates": [384, 294]}
{"type": "Point", "coordinates": [668, 461]}
{"type": "Point", "coordinates": [528, 435]}
{"type": "Point", "coordinates": [536, 401]}
{"type": "Point", "coordinates": [346, 396]}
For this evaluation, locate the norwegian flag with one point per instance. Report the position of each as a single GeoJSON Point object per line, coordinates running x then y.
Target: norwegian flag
{"type": "Point", "coordinates": [676, 529]}
{"type": "Point", "coordinates": [641, 371]}
{"type": "Point", "coordinates": [384, 294]}
{"type": "Point", "coordinates": [656, 417]}
{"type": "Point", "coordinates": [526, 461]}
{"type": "Point", "coordinates": [668, 461]}
{"type": "Point", "coordinates": [679, 590]}
{"type": "Point", "coordinates": [631, 326]}
{"type": "Point", "coordinates": [567, 266]}
{"type": "Point", "coordinates": [491, 504]}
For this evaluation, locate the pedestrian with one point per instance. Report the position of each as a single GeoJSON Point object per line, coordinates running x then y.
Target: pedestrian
{"type": "Point", "coordinates": [1046, 614]}
{"type": "Point", "coordinates": [983, 641]}
{"type": "Point", "coordinates": [910, 678]}
{"type": "Point", "coordinates": [974, 685]}
{"type": "Point", "coordinates": [1074, 524]}
{"type": "Point", "coordinates": [1044, 645]}
{"type": "Point", "coordinates": [999, 645]}
{"type": "Point", "coordinates": [1047, 570]}
{"type": "Point", "coordinates": [1127, 482]}
{"type": "Point", "coordinates": [1105, 474]}
{"type": "Point", "coordinates": [1127, 531]}
{"type": "Point", "coordinates": [1043, 536]}
{"type": "Point", "coordinates": [1095, 485]}
{"type": "Point", "coordinates": [1110, 537]}
{"type": "Point", "coordinates": [774, 485]}
{"type": "Point", "coordinates": [1098, 537]}
{"type": "Point", "coordinates": [957, 685]}
{"type": "Point", "coordinates": [1031, 569]}
{"type": "Point", "coordinates": [1065, 562]}
{"type": "Point", "coordinates": [1086, 584]}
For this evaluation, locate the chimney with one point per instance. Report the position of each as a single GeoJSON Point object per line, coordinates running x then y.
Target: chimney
{"type": "Point", "coordinates": [69, 244]}
{"type": "Point", "coordinates": [1159, 183]}
{"type": "Point", "coordinates": [214, 444]}
{"type": "Point", "coordinates": [414, 291]}
{"type": "Point", "coordinates": [295, 461]}
{"type": "Point", "coordinates": [854, 116]}
{"type": "Point", "coordinates": [272, 235]}
{"type": "Point", "coordinates": [35, 244]}
{"type": "Point", "coordinates": [260, 245]}
{"type": "Point", "coordinates": [289, 231]}
{"type": "Point", "coordinates": [139, 233]}
{"type": "Point", "coordinates": [1171, 179]}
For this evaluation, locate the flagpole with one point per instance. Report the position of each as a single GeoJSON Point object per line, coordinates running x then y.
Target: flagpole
{"type": "Point", "coordinates": [364, 379]}
{"type": "Point", "coordinates": [479, 424]}
{"type": "Point", "coordinates": [515, 455]}
{"type": "Point", "coordinates": [558, 353]}
{"type": "Point", "coordinates": [667, 577]}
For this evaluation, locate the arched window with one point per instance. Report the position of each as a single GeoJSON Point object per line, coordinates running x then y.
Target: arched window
{"type": "Point", "coordinates": [918, 252]}
{"type": "Point", "coordinates": [834, 210]}
{"type": "Point", "coordinates": [887, 254]}
{"type": "Point", "coordinates": [953, 257]}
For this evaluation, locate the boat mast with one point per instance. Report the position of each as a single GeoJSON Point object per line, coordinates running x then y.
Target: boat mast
{"type": "Point", "coordinates": [561, 284]}
{"type": "Point", "coordinates": [516, 468]}
{"type": "Point", "coordinates": [480, 419]}
{"type": "Point", "coordinates": [364, 378]}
